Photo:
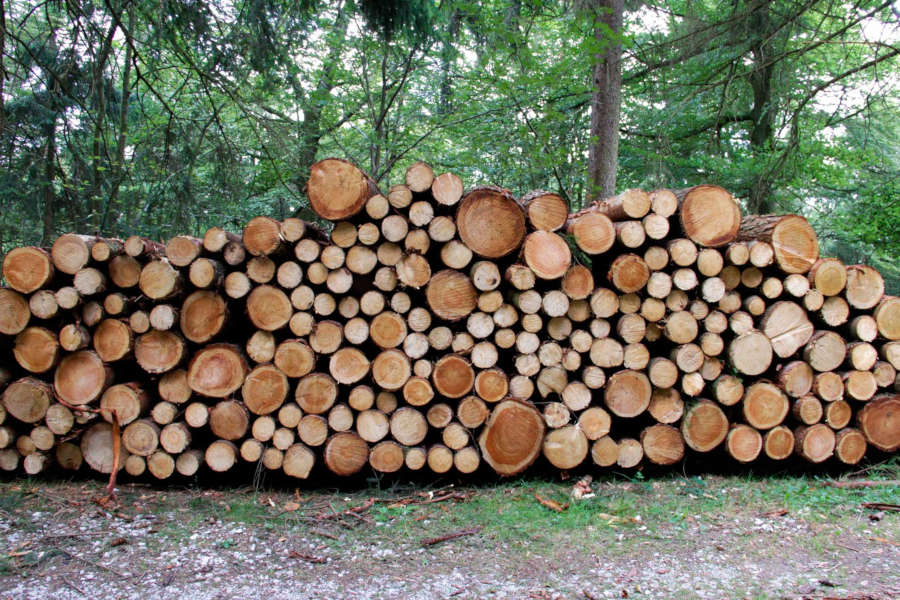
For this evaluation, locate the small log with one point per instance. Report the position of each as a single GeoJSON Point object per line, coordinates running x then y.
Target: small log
{"type": "Point", "coordinates": [447, 189]}
{"type": "Point", "coordinates": [181, 250]}
{"type": "Point", "coordinates": [662, 444]}
{"type": "Point", "coordinates": [141, 437]}
{"type": "Point", "coordinates": [81, 377]}
{"type": "Point", "coordinates": [316, 393]}
{"type": "Point", "coordinates": [566, 447]}
{"type": "Point", "coordinates": [628, 273]}
{"type": "Point", "coordinates": [408, 426]}
{"type": "Point", "coordinates": [160, 281]}
{"type": "Point", "coordinates": [97, 448]}
{"type": "Point", "coordinates": [215, 239]}
{"type": "Point", "coordinates": [796, 378]}
{"type": "Point", "coordinates": [188, 463]}
{"type": "Point", "coordinates": [451, 295]}
{"type": "Point", "coordinates": [36, 349]}
{"type": "Point", "coordinates": [764, 405]}
{"type": "Point", "coordinates": [545, 211]}
{"type": "Point", "coordinates": [627, 393]}
{"type": "Point", "coordinates": [158, 352]}
{"type": "Point", "coordinates": [206, 273]}
{"type": "Point", "coordinates": [750, 353]}
{"type": "Point", "coordinates": [879, 421]}
{"type": "Point", "coordinates": [346, 453]}
{"type": "Point", "coordinates": [850, 446]}
{"type": "Point", "coordinates": [743, 443]}
{"type": "Point", "coordinates": [269, 308]}
{"type": "Point", "coordinates": [778, 443]}
{"type": "Point", "coordinates": [27, 269]}
{"type": "Point", "coordinates": [787, 327]}
{"type": "Point", "coordinates": [217, 371]}
{"type": "Point", "coordinates": [594, 233]}
{"type": "Point", "coordinates": [125, 402]}
{"type": "Point", "coordinates": [825, 351]}
{"type": "Point", "coordinates": [338, 190]}
{"type": "Point", "coordinates": [229, 420]}
{"type": "Point", "coordinates": [298, 461]}
{"type": "Point", "coordinates": [865, 287]}
{"type": "Point", "coordinates": [828, 276]}
{"type": "Point", "coordinates": [838, 414]}
{"type": "Point", "coordinates": [221, 455]}
{"type": "Point", "coordinates": [815, 443]}
{"type": "Point", "coordinates": [704, 426]}
{"type": "Point", "coordinates": [264, 390]}
{"type": "Point", "coordinates": [71, 252]}
{"type": "Point", "coordinates": [14, 312]}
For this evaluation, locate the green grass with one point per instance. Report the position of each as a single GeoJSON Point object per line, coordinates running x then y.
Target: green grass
{"type": "Point", "coordinates": [508, 511]}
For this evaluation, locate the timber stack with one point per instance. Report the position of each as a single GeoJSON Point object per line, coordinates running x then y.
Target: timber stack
{"type": "Point", "coordinates": [432, 328]}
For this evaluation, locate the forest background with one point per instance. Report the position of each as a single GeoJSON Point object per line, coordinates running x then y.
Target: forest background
{"type": "Point", "coordinates": [166, 117]}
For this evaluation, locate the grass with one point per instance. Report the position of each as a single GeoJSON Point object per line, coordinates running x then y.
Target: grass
{"type": "Point", "coordinates": [508, 511]}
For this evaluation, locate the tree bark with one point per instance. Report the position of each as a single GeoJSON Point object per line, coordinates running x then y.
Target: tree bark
{"type": "Point", "coordinates": [606, 100]}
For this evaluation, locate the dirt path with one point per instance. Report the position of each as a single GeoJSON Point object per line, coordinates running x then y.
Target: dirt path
{"type": "Point", "coordinates": [667, 539]}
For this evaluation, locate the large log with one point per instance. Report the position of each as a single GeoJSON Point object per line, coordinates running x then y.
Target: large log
{"type": "Point", "coordinates": [709, 215]}
{"type": "Point", "coordinates": [217, 371]}
{"type": "Point", "coordinates": [27, 269]}
{"type": "Point", "coordinates": [879, 420]}
{"type": "Point", "coordinates": [337, 189]}
{"type": "Point", "coordinates": [546, 211]}
{"type": "Point", "coordinates": [490, 222]}
{"type": "Point", "coordinates": [512, 438]}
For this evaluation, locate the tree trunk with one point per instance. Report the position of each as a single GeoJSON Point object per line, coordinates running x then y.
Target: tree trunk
{"type": "Point", "coordinates": [605, 100]}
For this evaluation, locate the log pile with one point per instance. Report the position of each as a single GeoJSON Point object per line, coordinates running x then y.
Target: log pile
{"type": "Point", "coordinates": [432, 328]}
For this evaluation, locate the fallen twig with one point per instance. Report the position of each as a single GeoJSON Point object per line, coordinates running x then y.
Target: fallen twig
{"type": "Point", "coordinates": [882, 506]}
{"type": "Point", "coordinates": [852, 485]}
{"type": "Point", "coordinates": [307, 557]}
{"type": "Point", "coordinates": [551, 504]}
{"type": "Point", "coordinates": [450, 536]}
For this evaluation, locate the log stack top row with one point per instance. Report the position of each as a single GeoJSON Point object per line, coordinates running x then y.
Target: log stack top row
{"type": "Point", "coordinates": [429, 326]}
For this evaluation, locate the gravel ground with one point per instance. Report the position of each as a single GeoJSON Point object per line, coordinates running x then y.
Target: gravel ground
{"type": "Point", "coordinates": [154, 544]}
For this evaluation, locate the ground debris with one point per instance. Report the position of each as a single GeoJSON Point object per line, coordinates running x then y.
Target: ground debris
{"type": "Point", "coordinates": [450, 536]}
{"type": "Point", "coordinates": [551, 504]}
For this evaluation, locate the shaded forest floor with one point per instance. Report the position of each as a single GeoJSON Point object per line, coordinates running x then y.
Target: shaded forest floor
{"type": "Point", "coordinates": [674, 537]}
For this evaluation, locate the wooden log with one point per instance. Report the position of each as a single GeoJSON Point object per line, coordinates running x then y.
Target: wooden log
{"type": "Point", "coordinates": [825, 351]}
{"type": "Point", "coordinates": [71, 252]}
{"type": "Point", "coordinates": [316, 393]}
{"type": "Point", "coordinates": [887, 317]}
{"type": "Point", "coordinates": [879, 421]}
{"type": "Point", "coordinates": [594, 233]}
{"type": "Point", "coordinates": [837, 414]}
{"type": "Point", "coordinates": [629, 453]}
{"type": "Point", "coordinates": [796, 378]}
{"type": "Point", "coordinates": [217, 371]}
{"type": "Point", "coordinates": [36, 349]}
{"type": "Point", "coordinates": [216, 238]}
{"type": "Point", "coordinates": [203, 315]}
{"type": "Point", "coordinates": [346, 453]}
{"type": "Point", "coordinates": [547, 254]}
{"type": "Point", "coordinates": [815, 443]}
{"type": "Point", "coordinates": [27, 269]}
{"type": "Point", "coordinates": [865, 287]}
{"type": "Point", "coordinates": [451, 295]}
{"type": "Point", "coordinates": [662, 444]}
{"type": "Point", "coordinates": [158, 352]}
{"type": "Point", "coordinates": [141, 437]}
{"type": "Point", "coordinates": [786, 325]}
{"type": "Point", "coordinates": [750, 353]}
{"type": "Point", "coordinates": [630, 204]}
{"type": "Point", "coordinates": [59, 419]}
{"type": "Point", "coordinates": [453, 376]}
{"type": "Point", "coordinates": [850, 446]}
{"type": "Point", "coordinates": [512, 438]}
{"type": "Point", "coordinates": [159, 280]}
{"type": "Point", "coordinates": [743, 443]}
{"type": "Point", "coordinates": [545, 211]}
{"type": "Point", "coordinates": [264, 389]}
{"type": "Point", "coordinates": [490, 222]}
{"type": "Point", "coordinates": [628, 273]}
{"type": "Point", "coordinates": [795, 244]}
{"type": "Point", "coordinates": [338, 190]}
{"type": "Point", "coordinates": [709, 215]}
{"type": "Point", "coordinates": [408, 426]}
{"type": "Point", "coordinates": [828, 276]}
{"type": "Point", "coordinates": [704, 426]}
{"type": "Point", "coordinates": [125, 402]}
{"type": "Point", "coordinates": [419, 177]}
{"type": "Point", "coordinates": [447, 189]}
{"type": "Point", "coordinates": [81, 377]}
{"type": "Point", "coordinates": [229, 420]}
{"type": "Point", "coordinates": [221, 455]}
{"type": "Point", "coordinates": [97, 449]}
{"type": "Point", "coordinates": [627, 393]}
{"type": "Point", "coordinates": [139, 247]}
{"type": "Point", "coordinates": [27, 399]}
{"type": "Point", "coordinates": [566, 447]}
{"type": "Point", "coordinates": [391, 369]}
{"type": "Point", "coordinates": [181, 250]}
{"type": "Point", "coordinates": [14, 312]}
{"type": "Point", "coordinates": [764, 405]}
{"type": "Point", "coordinates": [778, 443]}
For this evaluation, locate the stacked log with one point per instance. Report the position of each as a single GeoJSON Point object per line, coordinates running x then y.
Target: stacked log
{"type": "Point", "coordinates": [435, 328]}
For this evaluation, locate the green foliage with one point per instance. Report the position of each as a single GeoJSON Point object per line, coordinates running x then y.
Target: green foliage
{"type": "Point", "coordinates": [167, 117]}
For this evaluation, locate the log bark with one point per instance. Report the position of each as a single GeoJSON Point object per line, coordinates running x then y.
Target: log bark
{"type": "Point", "coordinates": [795, 244]}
